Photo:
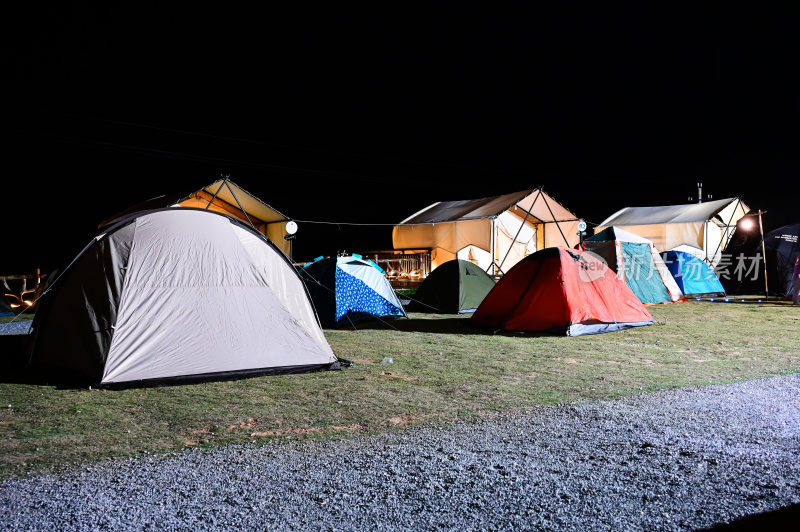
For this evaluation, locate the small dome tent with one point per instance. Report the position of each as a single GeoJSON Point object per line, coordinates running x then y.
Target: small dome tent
{"type": "Point", "coordinates": [456, 287]}
{"type": "Point", "coordinates": [176, 294]}
{"type": "Point", "coordinates": [693, 275]}
{"type": "Point", "coordinates": [637, 262]}
{"type": "Point", "coordinates": [561, 291]}
{"type": "Point", "coordinates": [348, 289]}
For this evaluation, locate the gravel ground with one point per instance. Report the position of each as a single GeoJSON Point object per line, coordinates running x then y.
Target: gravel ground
{"type": "Point", "coordinates": [668, 460]}
{"type": "Point", "coordinates": [16, 327]}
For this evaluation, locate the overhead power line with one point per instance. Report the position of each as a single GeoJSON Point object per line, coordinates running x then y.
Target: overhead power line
{"type": "Point", "coordinates": [130, 148]}
{"type": "Point", "coordinates": [292, 146]}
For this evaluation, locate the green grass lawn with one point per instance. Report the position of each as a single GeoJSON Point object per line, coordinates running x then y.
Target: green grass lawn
{"type": "Point", "coordinates": [443, 370]}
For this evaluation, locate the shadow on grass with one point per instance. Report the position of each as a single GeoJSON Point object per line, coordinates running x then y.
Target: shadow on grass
{"type": "Point", "coordinates": [426, 325]}
{"type": "Point", "coordinates": [760, 301]}
{"type": "Point", "coordinates": [438, 325]}
{"type": "Point", "coordinates": [14, 369]}
{"type": "Point", "coordinates": [13, 366]}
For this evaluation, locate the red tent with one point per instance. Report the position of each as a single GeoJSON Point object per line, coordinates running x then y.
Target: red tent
{"type": "Point", "coordinates": [561, 290]}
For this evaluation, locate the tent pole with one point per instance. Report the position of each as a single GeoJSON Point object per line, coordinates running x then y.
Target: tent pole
{"type": "Point", "coordinates": [224, 182]}
{"type": "Point", "coordinates": [764, 255]}
{"type": "Point", "coordinates": [527, 213]}
{"type": "Point", "coordinates": [492, 241]}
{"type": "Point", "coordinates": [240, 207]}
{"type": "Point", "coordinates": [727, 226]}
{"type": "Point", "coordinates": [566, 242]}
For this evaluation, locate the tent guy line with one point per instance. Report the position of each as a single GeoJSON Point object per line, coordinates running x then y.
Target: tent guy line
{"type": "Point", "coordinates": [396, 224]}
{"type": "Point", "coordinates": [156, 152]}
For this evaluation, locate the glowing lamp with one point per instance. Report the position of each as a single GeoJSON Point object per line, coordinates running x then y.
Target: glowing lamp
{"type": "Point", "coordinates": [747, 224]}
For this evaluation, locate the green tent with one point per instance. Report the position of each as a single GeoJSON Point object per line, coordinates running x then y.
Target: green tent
{"type": "Point", "coordinates": [455, 287]}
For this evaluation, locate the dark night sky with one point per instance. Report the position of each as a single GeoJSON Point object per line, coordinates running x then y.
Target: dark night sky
{"type": "Point", "coordinates": [371, 115]}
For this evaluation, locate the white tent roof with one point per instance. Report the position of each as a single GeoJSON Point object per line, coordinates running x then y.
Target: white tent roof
{"type": "Point", "coordinates": [666, 214]}
{"type": "Point", "coordinates": [548, 210]}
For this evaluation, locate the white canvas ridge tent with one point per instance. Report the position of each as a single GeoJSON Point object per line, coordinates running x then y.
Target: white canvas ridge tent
{"type": "Point", "coordinates": [172, 294]}
{"type": "Point", "coordinates": [702, 229]}
{"type": "Point", "coordinates": [494, 232]}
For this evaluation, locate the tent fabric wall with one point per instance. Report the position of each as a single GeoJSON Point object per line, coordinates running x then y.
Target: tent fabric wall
{"type": "Point", "coordinates": [447, 238]}
{"type": "Point", "coordinates": [507, 227]}
{"type": "Point", "coordinates": [455, 287]}
{"type": "Point", "coordinates": [473, 254]}
{"type": "Point", "coordinates": [562, 291]}
{"type": "Point", "coordinates": [636, 261]}
{"type": "Point", "coordinates": [641, 274]}
{"type": "Point", "coordinates": [226, 196]}
{"type": "Point", "coordinates": [178, 293]}
{"type": "Point", "coordinates": [693, 276]}
{"type": "Point", "coordinates": [74, 320]}
{"type": "Point", "coordinates": [349, 289]}
{"type": "Point", "coordinates": [706, 227]}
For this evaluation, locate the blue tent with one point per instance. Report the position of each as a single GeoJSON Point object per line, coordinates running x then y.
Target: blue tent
{"type": "Point", "coordinates": [348, 289]}
{"type": "Point", "coordinates": [693, 275]}
{"type": "Point", "coordinates": [637, 262]}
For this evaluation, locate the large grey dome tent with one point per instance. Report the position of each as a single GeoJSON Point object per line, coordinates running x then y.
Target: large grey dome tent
{"type": "Point", "coordinates": [175, 294]}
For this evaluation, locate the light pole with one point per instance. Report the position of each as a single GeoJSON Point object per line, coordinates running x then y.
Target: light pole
{"type": "Point", "coordinates": [763, 255]}
{"type": "Point", "coordinates": [581, 233]}
{"type": "Point", "coordinates": [291, 230]}
{"type": "Point", "coordinates": [747, 224]}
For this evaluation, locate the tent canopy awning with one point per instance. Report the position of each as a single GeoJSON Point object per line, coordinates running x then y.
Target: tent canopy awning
{"type": "Point", "coordinates": [693, 212]}
{"type": "Point", "coordinates": [477, 209]}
